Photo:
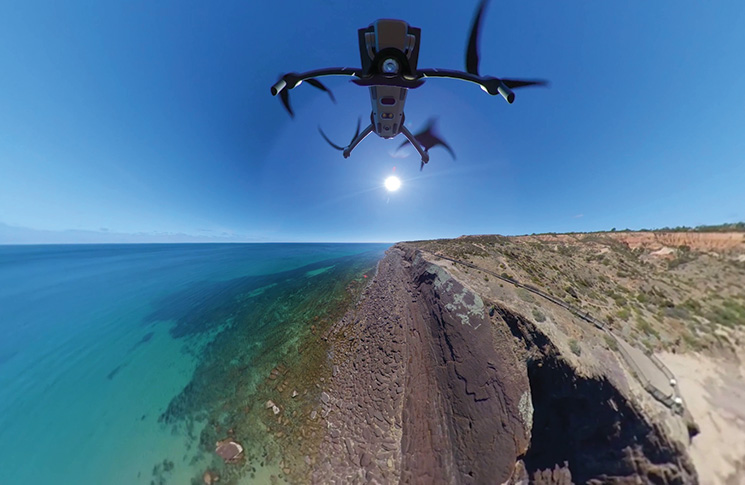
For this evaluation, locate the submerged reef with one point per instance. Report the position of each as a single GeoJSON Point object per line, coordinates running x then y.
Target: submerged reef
{"type": "Point", "coordinates": [256, 339]}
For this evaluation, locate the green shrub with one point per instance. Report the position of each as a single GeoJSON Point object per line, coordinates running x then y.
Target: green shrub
{"type": "Point", "coordinates": [575, 348]}
{"type": "Point", "coordinates": [525, 295]}
{"type": "Point", "coordinates": [645, 327]}
{"type": "Point", "coordinates": [691, 341]}
{"type": "Point", "coordinates": [692, 305]}
{"type": "Point", "coordinates": [610, 342]}
{"type": "Point", "coordinates": [729, 314]}
{"type": "Point", "coordinates": [679, 313]}
{"type": "Point", "coordinates": [538, 315]}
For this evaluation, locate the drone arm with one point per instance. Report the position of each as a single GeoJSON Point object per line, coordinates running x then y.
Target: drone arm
{"type": "Point", "coordinates": [292, 79]}
{"type": "Point", "coordinates": [491, 85]}
{"type": "Point", "coordinates": [348, 150]}
{"type": "Point", "coordinates": [415, 143]}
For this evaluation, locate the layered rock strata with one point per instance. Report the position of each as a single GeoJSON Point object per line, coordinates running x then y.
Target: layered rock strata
{"type": "Point", "coordinates": [431, 384]}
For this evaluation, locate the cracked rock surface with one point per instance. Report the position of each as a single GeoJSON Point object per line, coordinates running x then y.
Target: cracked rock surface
{"type": "Point", "coordinates": [431, 384]}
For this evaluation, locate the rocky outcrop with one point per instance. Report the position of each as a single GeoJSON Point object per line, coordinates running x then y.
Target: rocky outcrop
{"type": "Point", "coordinates": [476, 391]}
{"type": "Point", "coordinates": [435, 385]}
{"type": "Point", "coordinates": [585, 427]}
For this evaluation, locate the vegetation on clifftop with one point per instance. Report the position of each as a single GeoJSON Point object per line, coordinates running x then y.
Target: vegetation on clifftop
{"type": "Point", "coordinates": [681, 297]}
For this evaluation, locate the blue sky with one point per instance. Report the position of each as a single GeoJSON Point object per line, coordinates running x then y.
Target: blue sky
{"type": "Point", "coordinates": [138, 120]}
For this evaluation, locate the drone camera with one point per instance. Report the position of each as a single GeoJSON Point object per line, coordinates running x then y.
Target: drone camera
{"type": "Point", "coordinates": [390, 66]}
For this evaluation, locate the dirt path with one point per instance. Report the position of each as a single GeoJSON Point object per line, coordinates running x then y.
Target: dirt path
{"type": "Point", "coordinates": [714, 391]}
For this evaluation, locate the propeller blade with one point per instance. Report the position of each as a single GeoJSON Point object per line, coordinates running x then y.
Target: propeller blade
{"type": "Point", "coordinates": [429, 138]}
{"type": "Point", "coordinates": [518, 83]}
{"type": "Point", "coordinates": [356, 134]}
{"type": "Point", "coordinates": [447, 147]}
{"type": "Point", "coordinates": [329, 141]}
{"type": "Point", "coordinates": [284, 96]}
{"type": "Point", "coordinates": [317, 84]}
{"type": "Point", "coordinates": [472, 53]}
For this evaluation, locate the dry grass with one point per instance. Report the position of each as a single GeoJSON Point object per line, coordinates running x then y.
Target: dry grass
{"type": "Point", "coordinates": [663, 297]}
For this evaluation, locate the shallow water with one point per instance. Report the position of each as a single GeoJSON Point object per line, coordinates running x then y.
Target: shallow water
{"type": "Point", "coordinates": [121, 364]}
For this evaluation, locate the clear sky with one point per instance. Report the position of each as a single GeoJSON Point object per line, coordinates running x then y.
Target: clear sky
{"type": "Point", "coordinates": [140, 120]}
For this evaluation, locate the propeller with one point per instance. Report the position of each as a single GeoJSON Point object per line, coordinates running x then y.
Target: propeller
{"type": "Point", "coordinates": [518, 83]}
{"type": "Point", "coordinates": [284, 95]}
{"type": "Point", "coordinates": [356, 134]}
{"type": "Point", "coordinates": [429, 138]}
{"type": "Point", "coordinates": [492, 84]}
{"type": "Point", "coordinates": [472, 52]}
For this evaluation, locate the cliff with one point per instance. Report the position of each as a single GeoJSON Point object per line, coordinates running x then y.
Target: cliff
{"type": "Point", "coordinates": [434, 382]}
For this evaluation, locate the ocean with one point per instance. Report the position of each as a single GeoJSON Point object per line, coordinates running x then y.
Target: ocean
{"type": "Point", "coordinates": [124, 364]}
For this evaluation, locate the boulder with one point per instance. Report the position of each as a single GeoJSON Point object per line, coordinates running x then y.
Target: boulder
{"type": "Point", "coordinates": [230, 451]}
{"type": "Point", "coordinates": [210, 478]}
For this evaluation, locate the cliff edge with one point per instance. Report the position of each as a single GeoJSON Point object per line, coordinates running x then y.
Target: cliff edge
{"type": "Point", "coordinates": [433, 382]}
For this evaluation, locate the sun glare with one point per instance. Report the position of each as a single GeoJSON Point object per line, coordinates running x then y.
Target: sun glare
{"type": "Point", "coordinates": [392, 183]}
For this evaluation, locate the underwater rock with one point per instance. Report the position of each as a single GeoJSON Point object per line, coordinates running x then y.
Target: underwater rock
{"type": "Point", "coordinates": [275, 410]}
{"type": "Point", "coordinates": [210, 477]}
{"type": "Point", "coordinates": [229, 450]}
{"type": "Point", "coordinates": [269, 404]}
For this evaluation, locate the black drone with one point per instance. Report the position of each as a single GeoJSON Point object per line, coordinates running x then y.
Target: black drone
{"type": "Point", "coordinates": [389, 50]}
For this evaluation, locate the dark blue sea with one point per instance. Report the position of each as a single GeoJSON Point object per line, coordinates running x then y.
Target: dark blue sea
{"type": "Point", "coordinates": [121, 364]}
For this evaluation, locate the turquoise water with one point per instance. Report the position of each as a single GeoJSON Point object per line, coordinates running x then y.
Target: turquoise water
{"type": "Point", "coordinates": [120, 363]}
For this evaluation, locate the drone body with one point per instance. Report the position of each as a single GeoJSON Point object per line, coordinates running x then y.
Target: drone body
{"type": "Point", "coordinates": [389, 52]}
{"type": "Point", "coordinates": [389, 47]}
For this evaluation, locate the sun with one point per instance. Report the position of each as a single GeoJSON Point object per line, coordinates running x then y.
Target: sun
{"type": "Point", "coordinates": [392, 183]}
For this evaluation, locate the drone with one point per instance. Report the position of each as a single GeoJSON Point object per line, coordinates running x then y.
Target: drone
{"type": "Point", "coordinates": [389, 51]}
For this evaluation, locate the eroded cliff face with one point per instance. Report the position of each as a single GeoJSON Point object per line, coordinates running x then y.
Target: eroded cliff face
{"type": "Point", "coordinates": [584, 428]}
{"type": "Point", "coordinates": [436, 385]}
{"type": "Point", "coordinates": [479, 386]}
{"type": "Point", "coordinates": [515, 409]}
